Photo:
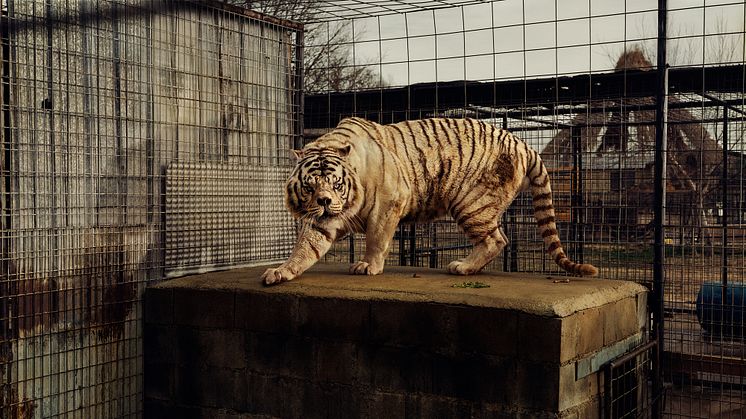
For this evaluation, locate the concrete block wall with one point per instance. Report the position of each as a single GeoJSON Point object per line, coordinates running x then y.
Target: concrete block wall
{"type": "Point", "coordinates": [393, 346]}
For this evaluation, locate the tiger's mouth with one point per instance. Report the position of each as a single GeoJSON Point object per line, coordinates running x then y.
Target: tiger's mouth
{"type": "Point", "coordinates": [325, 213]}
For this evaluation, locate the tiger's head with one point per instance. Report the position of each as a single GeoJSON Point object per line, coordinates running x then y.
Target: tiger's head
{"type": "Point", "coordinates": [322, 185]}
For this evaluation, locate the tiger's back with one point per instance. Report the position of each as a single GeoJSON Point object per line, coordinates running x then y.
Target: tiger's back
{"type": "Point", "coordinates": [450, 160]}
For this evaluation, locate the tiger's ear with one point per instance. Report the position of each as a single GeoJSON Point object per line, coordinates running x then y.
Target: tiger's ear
{"type": "Point", "coordinates": [344, 150]}
{"type": "Point", "coordinates": [298, 154]}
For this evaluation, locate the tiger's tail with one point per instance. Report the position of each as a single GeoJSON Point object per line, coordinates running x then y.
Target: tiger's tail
{"type": "Point", "coordinates": [541, 191]}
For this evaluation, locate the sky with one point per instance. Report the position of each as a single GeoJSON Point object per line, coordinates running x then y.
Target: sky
{"type": "Point", "coordinates": [512, 39]}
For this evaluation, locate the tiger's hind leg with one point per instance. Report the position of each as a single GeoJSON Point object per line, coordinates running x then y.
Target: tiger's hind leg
{"type": "Point", "coordinates": [484, 252]}
{"type": "Point", "coordinates": [480, 220]}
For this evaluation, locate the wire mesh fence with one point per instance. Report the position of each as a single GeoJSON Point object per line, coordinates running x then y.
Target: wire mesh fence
{"type": "Point", "coordinates": [140, 140]}
{"type": "Point", "coordinates": [578, 81]}
{"type": "Point", "coordinates": [143, 140]}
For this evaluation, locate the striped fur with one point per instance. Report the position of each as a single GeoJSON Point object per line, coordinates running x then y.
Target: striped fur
{"type": "Point", "coordinates": [366, 177]}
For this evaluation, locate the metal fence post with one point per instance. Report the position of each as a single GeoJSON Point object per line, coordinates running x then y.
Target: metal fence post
{"type": "Point", "coordinates": [402, 248]}
{"type": "Point", "coordinates": [724, 186]}
{"type": "Point", "coordinates": [433, 245]}
{"type": "Point", "coordinates": [577, 204]}
{"type": "Point", "coordinates": [661, 119]}
{"type": "Point", "coordinates": [413, 244]}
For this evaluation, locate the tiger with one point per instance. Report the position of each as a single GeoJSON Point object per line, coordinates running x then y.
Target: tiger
{"type": "Point", "coordinates": [365, 177]}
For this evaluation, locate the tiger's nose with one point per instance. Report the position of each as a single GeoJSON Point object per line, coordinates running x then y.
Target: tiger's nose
{"type": "Point", "coordinates": [323, 201]}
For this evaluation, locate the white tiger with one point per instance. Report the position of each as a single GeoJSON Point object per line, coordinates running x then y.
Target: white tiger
{"type": "Point", "coordinates": [365, 177]}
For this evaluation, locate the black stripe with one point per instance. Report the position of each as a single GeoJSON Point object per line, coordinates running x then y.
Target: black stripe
{"type": "Point", "coordinates": [352, 131]}
{"type": "Point", "coordinates": [423, 127]}
{"type": "Point", "coordinates": [467, 123]}
{"type": "Point", "coordinates": [343, 134]}
{"type": "Point", "coordinates": [445, 130]}
{"type": "Point", "coordinates": [419, 150]}
{"type": "Point", "coordinates": [483, 126]}
{"type": "Point", "coordinates": [523, 159]}
{"type": "Point", "coordinates": [549, 232]}
{"type": "Point", "coordinates": [315, 250]}
{"type": "Point", "coordinates": [534, 162]}
{"type": "Point", "coordinates": [457, 204]}
{"type": "Point", "coordinates": [512, 145]}
{"type": "Point", "coordinates": [542, 196]}
{"type": "Point", "coordinates": [543, 207]}
{"type": "Point", "coordinates": [472, 213]}
{"type": "Point", "coordinates": [366, 128]}
{"type": "Point", "coordinates": [501, 137]}
{"type": "Point", "coordinates": [544, 221]}
{"type": "Point", "coordinates": [406, 151]}
{"type": "Point", "coordinates": [553, 246]}
{"type": "Point", "coordinates": [436, 134]}
{"type": "Point", "coordinates": [459, 140]}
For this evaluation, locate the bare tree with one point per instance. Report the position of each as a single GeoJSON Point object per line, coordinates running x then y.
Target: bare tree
{"type": "Point", "coordinates": [328, 59]}
{"type": "Point", "coordinates": [688, 46]}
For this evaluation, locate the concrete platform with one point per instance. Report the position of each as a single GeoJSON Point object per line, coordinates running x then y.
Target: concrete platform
{"type": "Point", "coordinates": [402, 344]}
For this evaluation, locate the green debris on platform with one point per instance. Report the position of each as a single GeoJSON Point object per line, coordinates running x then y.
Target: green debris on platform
{"type": "Point", "coordinates": [470, 284]}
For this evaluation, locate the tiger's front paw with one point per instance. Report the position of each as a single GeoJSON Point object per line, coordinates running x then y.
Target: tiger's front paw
{"type": "Point", "coordinates": [276, 275]}
{"type": "Point", "coordinates": [365, 268]}
{"type": "Point", "coordinates": [458, 267]}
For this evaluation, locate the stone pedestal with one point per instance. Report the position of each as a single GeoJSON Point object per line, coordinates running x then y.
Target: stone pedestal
{"type": "Point", "coordinates": [405, 344]}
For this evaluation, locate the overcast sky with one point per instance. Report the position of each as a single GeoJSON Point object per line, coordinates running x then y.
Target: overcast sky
{"type": "Point", "coordinates": [533, 38]}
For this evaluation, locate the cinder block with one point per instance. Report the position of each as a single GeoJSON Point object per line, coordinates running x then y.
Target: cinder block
{"type": "Point", "coordinates": [400, 323]}
{"type": "Point", "coordinates": [643, 315]}
{"type": "Point", "coordinates": [159, 409]}
{"type": "Point", "coordinates": [278, 396]}
{"type": "Point", "coordinates": [537, 386]}
{"type": "Point", "coordinates": [334, 318]}
{"type": "Point", "coordinates": [283, 355]}
{"type": "Point", "coordinates": [314, 401]}
{"type": "Point", "coordinates": [210, 387]}
{"type": "Point", "coordinates": [267, 312]}
{"type": "Point", "coordinates": [588, 410]}
{"type": "Point", "coordinates": [343, 402]}
{"type": "Point", "coordinates": [336, 362]}
{"type": "Point", "coordinates": [159, 380]}
{"type": "Point", "coordinates": [379, 405]}
{"type": "Point", "coordinates": [389, 369]}
{"type": "Point", "coordinates": [159, 343]}
{"type": "Point", "coordinates": [434, 406]}
{"type": "Point", "coordinates": [574, 392]}
{"type": "Point", "coordinates": [204, 307]}
{"type": "Point", "coordinates": [474, 377]}
{"type": "Point", "coordinates": [582, 333]}
{"type": "Point", "coordinates": [158, 306]}
{"type": "Point", "coordinates": [216, 413]}
{"type": "Point", "coordinates": [620, 320]}
{"type": "Point", "coordinates": [486, 331]}
{"type": "Point", "coordinates": [539, 338]}
{"type": "Point", "coordinates": [223, 348]}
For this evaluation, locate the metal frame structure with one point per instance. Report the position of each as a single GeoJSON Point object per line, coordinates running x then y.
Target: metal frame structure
{"type": "Point", "coordinates": [646, 157]}
{"type": "Point", "coordinates": [140, 140]}
{"type": "Point", "coordinates": [146, 139]}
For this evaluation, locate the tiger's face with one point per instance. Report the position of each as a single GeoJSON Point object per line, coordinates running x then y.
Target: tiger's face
{"type": "Point", "coordinates": [321, 185]}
